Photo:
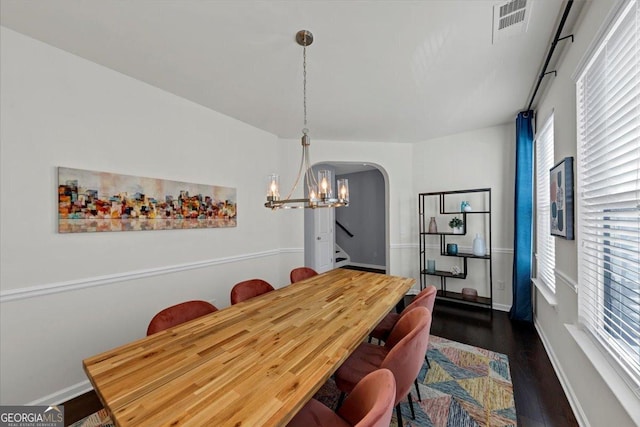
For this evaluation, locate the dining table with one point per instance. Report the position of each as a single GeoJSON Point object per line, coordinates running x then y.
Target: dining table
{"type": "Point", "coordinates": [255, 363]}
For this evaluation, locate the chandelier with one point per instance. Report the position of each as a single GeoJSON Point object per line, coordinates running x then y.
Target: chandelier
{"type": "Point", "coordinates": [320, 191]}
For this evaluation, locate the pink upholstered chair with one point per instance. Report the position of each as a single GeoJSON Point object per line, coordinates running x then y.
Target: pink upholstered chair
{"type": "Point", "coordinates": [179, 313]}
{"type": "Point", "coordinates": [402, 353]}
{"type": "Point", "coordinates": [370, 404]}
{"type": "Point", "coordinates": [426, 298]}
{"type": "Point", "coordinates": [301, 273]}
{"type": "Point", "coordinates": [248, 289]}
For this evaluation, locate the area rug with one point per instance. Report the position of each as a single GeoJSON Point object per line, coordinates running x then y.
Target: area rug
{"type": "Point", "coordinates": [466, 386]}
{"type": "Point", "coordinates": [98, 419]}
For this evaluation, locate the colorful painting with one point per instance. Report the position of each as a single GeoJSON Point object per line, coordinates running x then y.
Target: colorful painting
{"type": "Point", "coordinates": [90, 201]}
{"type": "Point", "coordinates": [561, 193]}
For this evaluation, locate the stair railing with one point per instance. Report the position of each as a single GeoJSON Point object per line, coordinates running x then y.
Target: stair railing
{"type": "Point", "coordinates": [350, 234]}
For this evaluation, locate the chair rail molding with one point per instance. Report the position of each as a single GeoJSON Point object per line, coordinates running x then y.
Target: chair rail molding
{"type": "Point", "coordinates": [89, 282]}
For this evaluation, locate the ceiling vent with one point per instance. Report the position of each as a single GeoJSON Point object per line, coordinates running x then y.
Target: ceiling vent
{"type": "Point", "coordinates": [510, 18]}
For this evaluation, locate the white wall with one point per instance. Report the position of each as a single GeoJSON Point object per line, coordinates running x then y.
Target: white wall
{"type": "Point", "coordinates": [593, 400]}
{"type": "Point", "coordinates": [65, 297]}
{"type": "Point", "coordinates": [60, 110]}
{"type": "Point", "coordinates": [483, 158]}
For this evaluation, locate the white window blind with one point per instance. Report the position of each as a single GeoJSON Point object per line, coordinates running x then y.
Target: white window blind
{"type": "Point", "coordinates": [608, 125]}
{"type": "Point", "coordinates": [545, 242]}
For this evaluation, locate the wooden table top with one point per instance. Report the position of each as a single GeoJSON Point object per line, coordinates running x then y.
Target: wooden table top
{"type": "Point", "coordinates": [252, 364]}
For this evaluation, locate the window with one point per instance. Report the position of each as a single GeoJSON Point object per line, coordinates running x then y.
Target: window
{"type": "Point", "coordinates": [608, 221]}
{"type": "Point", "coordinates": [545, 242]}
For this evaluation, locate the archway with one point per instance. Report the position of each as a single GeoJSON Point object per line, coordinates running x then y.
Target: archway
{"type": "Point", "coordinates": [363, 230]}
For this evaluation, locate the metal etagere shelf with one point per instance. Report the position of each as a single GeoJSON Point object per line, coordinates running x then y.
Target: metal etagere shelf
{"type": "Point", "coordinates": [444, 199]}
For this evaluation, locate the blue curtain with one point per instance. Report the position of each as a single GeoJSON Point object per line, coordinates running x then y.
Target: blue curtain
{"type": "Point", "coordinates": [522, 308]}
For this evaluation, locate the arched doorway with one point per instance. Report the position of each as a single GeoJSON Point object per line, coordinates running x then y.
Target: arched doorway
{"type": "Point", "coordinates": [357, 235]}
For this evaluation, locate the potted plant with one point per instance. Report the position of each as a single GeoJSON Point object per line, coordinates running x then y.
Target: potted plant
{"type": "Point", "coordinates": [456, 225]}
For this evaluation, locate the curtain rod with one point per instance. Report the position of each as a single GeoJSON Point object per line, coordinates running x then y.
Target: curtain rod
{"type": "Point", "coordinates": [556, 39]}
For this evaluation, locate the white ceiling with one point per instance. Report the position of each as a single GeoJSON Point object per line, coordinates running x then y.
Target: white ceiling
{"type": "Point", "coordinates": [392, 71]}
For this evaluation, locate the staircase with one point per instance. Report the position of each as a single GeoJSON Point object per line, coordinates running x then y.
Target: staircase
{"type": "Point", "coordinates": [341, 257]}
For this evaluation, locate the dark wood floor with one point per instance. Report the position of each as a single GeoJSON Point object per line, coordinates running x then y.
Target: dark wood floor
{"type": "Point", "coordinates": [540, 400]}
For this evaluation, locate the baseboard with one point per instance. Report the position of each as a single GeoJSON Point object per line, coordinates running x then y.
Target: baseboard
{"type": "Point", "coordinates": [564, 382]}
{"type": "Point", "coordinates": [59, 397]}
{"type": "Point", "coordinates": [359, 264]}
{"type": "Point", "coordinates": [341, 264]}
{"type": "Point", "coordinates": [501, 307]}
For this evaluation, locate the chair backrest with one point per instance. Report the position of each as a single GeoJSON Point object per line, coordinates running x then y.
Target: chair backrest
{"type": "Point", "coordinates": [301, 273]}
{"type": "Point", "coordinates": [371, 402]}
{"type": "Point", "coordinates": [426, 298]}
{"type": "Point", "coordinates": [408, 344]}
{"type": "Point", "coordinates": [179, 313]}
{"type": "Point", "coordinates": [248, 289]}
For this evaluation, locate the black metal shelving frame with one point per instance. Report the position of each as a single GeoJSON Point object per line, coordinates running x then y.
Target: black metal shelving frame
{"type": "Point", "coordinates": [443, 293]}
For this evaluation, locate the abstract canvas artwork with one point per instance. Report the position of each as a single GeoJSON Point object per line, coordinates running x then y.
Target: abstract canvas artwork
{"type": "Point", "coordinates": [561, 193]}
{"type": "Point", "coordinates": [90, 201]}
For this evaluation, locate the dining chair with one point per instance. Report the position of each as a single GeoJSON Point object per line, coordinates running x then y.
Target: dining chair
{"type": "Point", "coordinates": [426, 298]}
{"type": "Point", "coordinates": [179, 313]}
{"type": "Point", "coordinates": [248, 289]}
{"type": "Point", "coordinates": [370, 404]}
{"type": "Point", "coordinates": [301, 273]}
{"type": "Point", "coordinates": [402, 353]}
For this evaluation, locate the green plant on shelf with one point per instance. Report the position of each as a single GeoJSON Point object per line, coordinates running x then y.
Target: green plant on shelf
{"type": "Point", "coordinates": [455, 222]}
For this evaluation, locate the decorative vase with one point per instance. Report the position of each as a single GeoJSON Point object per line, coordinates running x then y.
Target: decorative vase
{"type": "Point", "coordinates": [431, 266]}
{"type": "Point", "coordinates": [457, 230]}
{"type": "Point", "coordinates": [433, 227]}
{"type": "Point", "coordinates": [452, 249]}
{"type": "Point", "coordinates": [479, 248]}
{"type": "Point", "coordinates": [464, 205]}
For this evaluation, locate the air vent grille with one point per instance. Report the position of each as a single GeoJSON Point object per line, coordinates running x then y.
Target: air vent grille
{"type": "Point", "coordinates": [512, 13]}
{"type": "Point", "coordinates": [510, 18]}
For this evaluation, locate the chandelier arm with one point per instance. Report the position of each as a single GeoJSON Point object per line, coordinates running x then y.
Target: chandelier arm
{"type": "Point", "coordinates": [300, 169]}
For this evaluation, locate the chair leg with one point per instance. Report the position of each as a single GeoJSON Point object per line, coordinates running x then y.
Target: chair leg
{"type": "Point", "coordinates": [426, 359]}
{"type": "Point", "coordinates": [413, 413]}
{"type": "Point", "coordinates": [340, 400]}
{"type": "Point", "coordinates": [370, 337]}
{"type": "Point", "coordinates": [415, 382]}
{"type": "Point", "coordinates": [399, 415]}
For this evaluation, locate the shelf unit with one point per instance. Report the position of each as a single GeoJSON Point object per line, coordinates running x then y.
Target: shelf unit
{"type": "Point", "coordinates": [443, 200]}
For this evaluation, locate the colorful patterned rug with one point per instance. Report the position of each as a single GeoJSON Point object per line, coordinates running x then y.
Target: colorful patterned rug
{"type": "Point", "coordinates": [98, 419]}
{"type": "Point", "coordinates": [466, 387]}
